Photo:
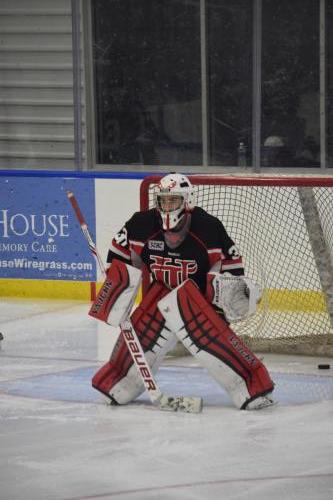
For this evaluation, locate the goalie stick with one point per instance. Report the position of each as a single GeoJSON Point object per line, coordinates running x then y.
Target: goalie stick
{"type": "Point", "coordinates": [164, 402]}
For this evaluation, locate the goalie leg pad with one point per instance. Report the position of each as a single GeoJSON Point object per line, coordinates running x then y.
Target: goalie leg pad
{"type": "Point", "coordinates": [116, 297]}
{"type": "Point", "coordinates": [119, 378]}
{"type": "Point", "coordinates": [214, 344]}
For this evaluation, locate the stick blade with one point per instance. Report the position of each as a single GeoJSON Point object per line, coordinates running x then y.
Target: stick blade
{"type": "Point", "coordinates": [180, 403]}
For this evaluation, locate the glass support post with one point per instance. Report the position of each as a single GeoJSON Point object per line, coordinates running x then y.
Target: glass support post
{"type": "Point", "coordinates": [322, 83]}
{"type": "Point", "coordinates": [256, 106]}
{"type": "Point", "coordinates": [204, 79]}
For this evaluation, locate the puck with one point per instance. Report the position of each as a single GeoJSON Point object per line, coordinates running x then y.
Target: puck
{"type": "Point", "coordinates": [1, 336]}
{"type": "Point", "coordinates": [324, 366]}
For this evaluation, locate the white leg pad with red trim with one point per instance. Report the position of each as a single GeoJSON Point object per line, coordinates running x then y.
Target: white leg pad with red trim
{"type": "Point", "coordinates": [117, 295]}
{"type": "Point", "coordinates": [213, 343]}
{"type": "Point", "coordinates": [130, 386]}
{"type": "Point", "coordinates": [119, 377]}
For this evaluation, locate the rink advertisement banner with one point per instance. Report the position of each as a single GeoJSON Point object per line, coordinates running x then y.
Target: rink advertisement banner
{"type": "Point", "coordinates": [39, 234]}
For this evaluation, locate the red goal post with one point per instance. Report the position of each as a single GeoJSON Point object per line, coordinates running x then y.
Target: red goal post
{"type": "Point", "coordinates": [283, 227]}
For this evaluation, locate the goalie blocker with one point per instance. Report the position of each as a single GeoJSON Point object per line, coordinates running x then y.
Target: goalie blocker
{"type": "Point", "coordinates": [115, 299]}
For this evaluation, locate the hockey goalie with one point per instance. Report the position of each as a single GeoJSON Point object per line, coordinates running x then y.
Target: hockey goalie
{"type": "Point", "coordinates": [197, 291]}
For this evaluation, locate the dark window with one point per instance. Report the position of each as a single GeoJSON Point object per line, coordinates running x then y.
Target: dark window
{"type": "Point", "coordinates": [147, 81]}
{"type": "Point", "coordinates": [229, 30]}
{"type": "Point", "coordinates": [290, 84]}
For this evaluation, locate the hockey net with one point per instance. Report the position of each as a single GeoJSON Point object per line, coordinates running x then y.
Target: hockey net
{"type": "Point", "coordinates": [283, 227]}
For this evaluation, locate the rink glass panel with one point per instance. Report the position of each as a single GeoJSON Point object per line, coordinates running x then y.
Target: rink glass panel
{"type": "Point", "coordinates": [229, 58]}
{"type": "Point", "coordinates": [175, 83]}
{"type": "Point", "coordinates": [290, 84]}
{"type": "Point", "coordinates": [147, 82]}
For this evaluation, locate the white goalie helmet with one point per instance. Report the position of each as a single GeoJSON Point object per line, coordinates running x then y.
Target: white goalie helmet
{"type": "Point", "coordinates": [174, 198]}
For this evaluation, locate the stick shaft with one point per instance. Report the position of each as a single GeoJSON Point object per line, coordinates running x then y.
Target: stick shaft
{"type": "Point", "coordinates": [126, 328]}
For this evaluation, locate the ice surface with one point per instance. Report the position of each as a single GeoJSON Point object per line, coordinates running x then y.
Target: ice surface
{"type": "Point", "coordinates": [60, 440]}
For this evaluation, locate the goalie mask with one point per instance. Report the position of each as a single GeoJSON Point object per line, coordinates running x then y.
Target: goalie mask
{"type": "Point", "coordinates": [175, 198]}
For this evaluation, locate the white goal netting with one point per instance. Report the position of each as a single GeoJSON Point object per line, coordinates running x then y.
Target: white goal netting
{"type": "Point", "coordinates": [269, 221]}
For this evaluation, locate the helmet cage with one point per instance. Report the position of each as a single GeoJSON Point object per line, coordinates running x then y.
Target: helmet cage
{"type": "Point", "coordinates": [169, 202]}
{"type": "Point", "coordinates": [175, 198]}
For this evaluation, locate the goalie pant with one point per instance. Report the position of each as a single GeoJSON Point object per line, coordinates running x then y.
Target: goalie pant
{"type": "Point", "coordinates": [161, 319]}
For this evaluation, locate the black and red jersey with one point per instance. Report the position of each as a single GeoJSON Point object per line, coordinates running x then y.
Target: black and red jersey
{"type": "Point", "coordinates": [207, 245]}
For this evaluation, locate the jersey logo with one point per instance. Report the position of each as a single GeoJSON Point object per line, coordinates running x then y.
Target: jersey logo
{"type": "Point", "coordinates": [170, 271]}
{"type": "Point", "coordinates": [156, 245]}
